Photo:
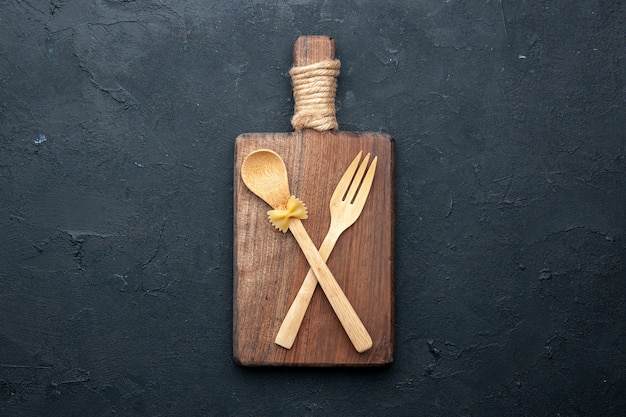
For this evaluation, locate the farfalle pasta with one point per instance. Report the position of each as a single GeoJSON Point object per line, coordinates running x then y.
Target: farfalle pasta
{"type": "Point", "coordinates": [280, 218]}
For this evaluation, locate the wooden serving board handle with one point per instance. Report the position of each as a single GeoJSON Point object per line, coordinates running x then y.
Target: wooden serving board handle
{"type": "Point", "coordinates": [311, 49]}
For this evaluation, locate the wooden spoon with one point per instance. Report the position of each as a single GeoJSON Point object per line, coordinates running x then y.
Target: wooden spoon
{"type": "Point", "coordinates": [264, 173]}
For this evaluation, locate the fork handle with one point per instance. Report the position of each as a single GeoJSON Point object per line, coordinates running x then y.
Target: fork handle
{"type": "Point", "coordinates": [293, 319]}
{"type": "Point", "coordinates": [350, 321]}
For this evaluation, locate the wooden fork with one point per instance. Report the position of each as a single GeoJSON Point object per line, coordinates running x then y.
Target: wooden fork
{"type": "Point", "coordinates": [346, 205]}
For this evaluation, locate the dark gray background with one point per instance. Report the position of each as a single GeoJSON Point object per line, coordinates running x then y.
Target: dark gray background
{"type": "Point", "coordinates": [117, 127]}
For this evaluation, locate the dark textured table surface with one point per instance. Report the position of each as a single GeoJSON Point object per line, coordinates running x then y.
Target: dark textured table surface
{"type": "Point", "coordinates": [117, 126]}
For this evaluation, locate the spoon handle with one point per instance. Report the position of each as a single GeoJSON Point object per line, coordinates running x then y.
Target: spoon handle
{"type": "Point", "coordinates": [288, 331]}
{"type": "Point", "coordinates": [350, 321]}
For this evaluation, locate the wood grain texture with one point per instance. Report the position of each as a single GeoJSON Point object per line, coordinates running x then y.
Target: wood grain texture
{"type": "Point", "coordinates": [269, 266]}
{"type": "Point", "coordinates": [311, 49]}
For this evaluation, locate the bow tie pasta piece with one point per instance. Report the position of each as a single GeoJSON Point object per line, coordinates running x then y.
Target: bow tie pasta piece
{"type": "Point", "coordinates": [280, 218]}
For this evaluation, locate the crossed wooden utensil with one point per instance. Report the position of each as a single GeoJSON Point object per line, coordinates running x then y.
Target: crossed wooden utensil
{"type": "Point", "coordinates": [264, 173]}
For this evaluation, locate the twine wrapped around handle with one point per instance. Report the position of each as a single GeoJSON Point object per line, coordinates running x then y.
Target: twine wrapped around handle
{"type": "Point", "coordinates": [314, 88]}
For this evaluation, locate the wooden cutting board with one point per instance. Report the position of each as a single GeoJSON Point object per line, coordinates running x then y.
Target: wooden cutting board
{"type": "Point", "coordinates": [269, 267]}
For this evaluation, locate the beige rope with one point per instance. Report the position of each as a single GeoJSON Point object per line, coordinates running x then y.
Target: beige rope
{"type": "Point", "coordinates": [314, 89]}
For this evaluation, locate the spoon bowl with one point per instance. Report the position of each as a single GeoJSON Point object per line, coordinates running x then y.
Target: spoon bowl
{"type": "Point", "coordinates": [264, 173]}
